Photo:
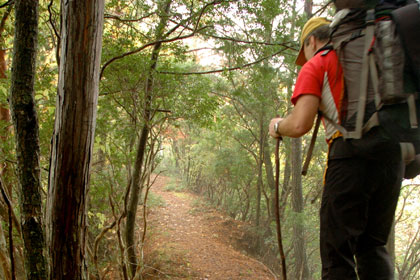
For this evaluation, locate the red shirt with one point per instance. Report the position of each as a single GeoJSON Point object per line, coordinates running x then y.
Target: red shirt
{"type": "Point", "coordinates": [322, 76]}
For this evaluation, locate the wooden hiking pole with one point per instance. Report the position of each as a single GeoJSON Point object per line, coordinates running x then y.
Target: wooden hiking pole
{"type": "Point", "coordinates": [278, 224]}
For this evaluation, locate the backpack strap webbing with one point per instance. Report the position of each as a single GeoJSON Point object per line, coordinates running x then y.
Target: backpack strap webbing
{"type": "Point", "coordinates": [372, 122]}
{"type": "Point", "coordinates": [370, 32]}
{"type": "Point", "coordinates": [311, 145]}
{"type": "Point", "coordinates": [375, 81]}
{"type": "Point", "coordinates": [339, 44]}
{"type": "Point", "coordinates": [412, 110]}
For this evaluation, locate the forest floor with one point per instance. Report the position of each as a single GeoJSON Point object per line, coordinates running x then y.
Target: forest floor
{"type": "Point", "coordinates": [188, 239]}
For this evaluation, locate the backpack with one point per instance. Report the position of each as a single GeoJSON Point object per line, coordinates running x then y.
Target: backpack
{"type": "Point", "coordinates": [379, 52]}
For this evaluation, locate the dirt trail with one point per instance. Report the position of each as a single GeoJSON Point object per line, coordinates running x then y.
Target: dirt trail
{"type": "Point", "coordinates": [187, 242]}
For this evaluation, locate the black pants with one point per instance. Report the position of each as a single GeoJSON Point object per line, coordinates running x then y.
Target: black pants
{"type": "Point", "coordinates": [362, 186]}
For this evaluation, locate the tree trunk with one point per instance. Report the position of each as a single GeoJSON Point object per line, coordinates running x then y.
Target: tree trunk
{"type": "Point", "coordinates": [287, 173]}
{"type": "Point", "coordinates": [135, 191]}
{"type": "Point", "coordinates": [27, 136]}
{"type": "Point", "coordinates": [135, 188]}
{"type": "Point", "coordinates": [175, 151]}
{"type": "Point", "coordinates": [301, 267]}
{"type": "Point", "coordinates": [308, 8]}
{"type": "Point", "coordinates": [72, 144]}
{"type": "Point", "coordinates": [260, 166]}
{"type": "Point", "coordinates": [270, 180]}
{"type": "Point", "coordinates": [259, 187]}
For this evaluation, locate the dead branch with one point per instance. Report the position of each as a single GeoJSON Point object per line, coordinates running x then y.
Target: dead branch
{"type": "Point", "coordinates": [55, 31]}
{"type": "Point", "coordinates": [110, 16]}
{"type": "Point", "coordinates": [50, 20]}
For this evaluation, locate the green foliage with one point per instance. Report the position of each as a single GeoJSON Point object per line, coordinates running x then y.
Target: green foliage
{"type": "Point", "coordinates": [208, 130]}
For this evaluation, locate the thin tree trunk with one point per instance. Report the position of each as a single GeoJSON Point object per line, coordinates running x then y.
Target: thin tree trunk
{"type": "Point", "coordinates": [27, 137]}
{"type": "Point", "coordinates": [270, 180]}
{"type": "Point", "coordinates": [135, 188]}
{"type": "Point", "coordinates": [134, 200]}
{"type": "Point", "coordinates": [259, 187]}
{"type": "Point", "coordinates": [260, 166]}
{"type": "Point", "coordinates": [81, 34]}
{"type": "Point", "coordinates": [301, 268]}
{"type": "Point", "coordinates": [308, 8]}
{"type": "Point", "coordinates": [301, 265]}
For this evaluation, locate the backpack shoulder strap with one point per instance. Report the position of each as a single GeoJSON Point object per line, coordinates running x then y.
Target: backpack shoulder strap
{"type": "Point", "coordinates": [369, 37]}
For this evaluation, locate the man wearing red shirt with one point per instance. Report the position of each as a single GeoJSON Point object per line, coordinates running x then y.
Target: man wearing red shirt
{"type": "Point", "coordinates": [363, 177]}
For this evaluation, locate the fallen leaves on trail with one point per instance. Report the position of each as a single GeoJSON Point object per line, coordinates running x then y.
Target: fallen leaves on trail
{"type": "Point", "coordinates": [189, 242]}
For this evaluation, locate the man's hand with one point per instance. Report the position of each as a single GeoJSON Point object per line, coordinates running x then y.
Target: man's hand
{"type": "Point", "coordinates": [273, 133]}
{"type": "Point", "coordinates": [299, 121]}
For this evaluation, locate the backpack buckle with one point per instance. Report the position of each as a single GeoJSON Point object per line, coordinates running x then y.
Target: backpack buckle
{"type": "Point", "coordinates": [370, 17]}
{"type": "Point", "coordinates": [356, 34]}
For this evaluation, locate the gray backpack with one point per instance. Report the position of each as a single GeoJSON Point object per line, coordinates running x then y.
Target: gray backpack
{"type": "Point", "coordinates": [379, 52]}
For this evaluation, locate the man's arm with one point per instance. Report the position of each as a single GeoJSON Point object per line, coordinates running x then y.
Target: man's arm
{"type": "Point", "coordinates": [300, 120]}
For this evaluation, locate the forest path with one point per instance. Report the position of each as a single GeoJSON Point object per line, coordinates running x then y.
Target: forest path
{"type": "Point", "coordinates": [188, 240]}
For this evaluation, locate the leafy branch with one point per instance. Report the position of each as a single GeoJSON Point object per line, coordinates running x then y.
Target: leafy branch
{"type": "Point", "coordinates": [236, 40]}
{"type": "Point", "coordinates": [142, 48]}
{"type": "Point", "coordinates": [226, 69]}
{"type": "Point", "coordinates": [172, 30]}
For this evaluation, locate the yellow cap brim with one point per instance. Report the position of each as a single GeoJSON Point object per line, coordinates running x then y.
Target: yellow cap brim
{"type": "Point", "coordinates": [301, 59]}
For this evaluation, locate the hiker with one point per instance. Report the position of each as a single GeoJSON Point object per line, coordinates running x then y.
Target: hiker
{"type": "Point", "coordinates": [363, 176]}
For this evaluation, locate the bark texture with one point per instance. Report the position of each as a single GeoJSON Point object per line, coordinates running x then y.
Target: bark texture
{"type": "Point", "coordinates": [26, 132]}
{"type": "Point", "coordinates": [72, 144]}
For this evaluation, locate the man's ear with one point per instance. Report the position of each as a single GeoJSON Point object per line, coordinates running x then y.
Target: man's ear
{"type": "Point", "coordinates": [312, 43]}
